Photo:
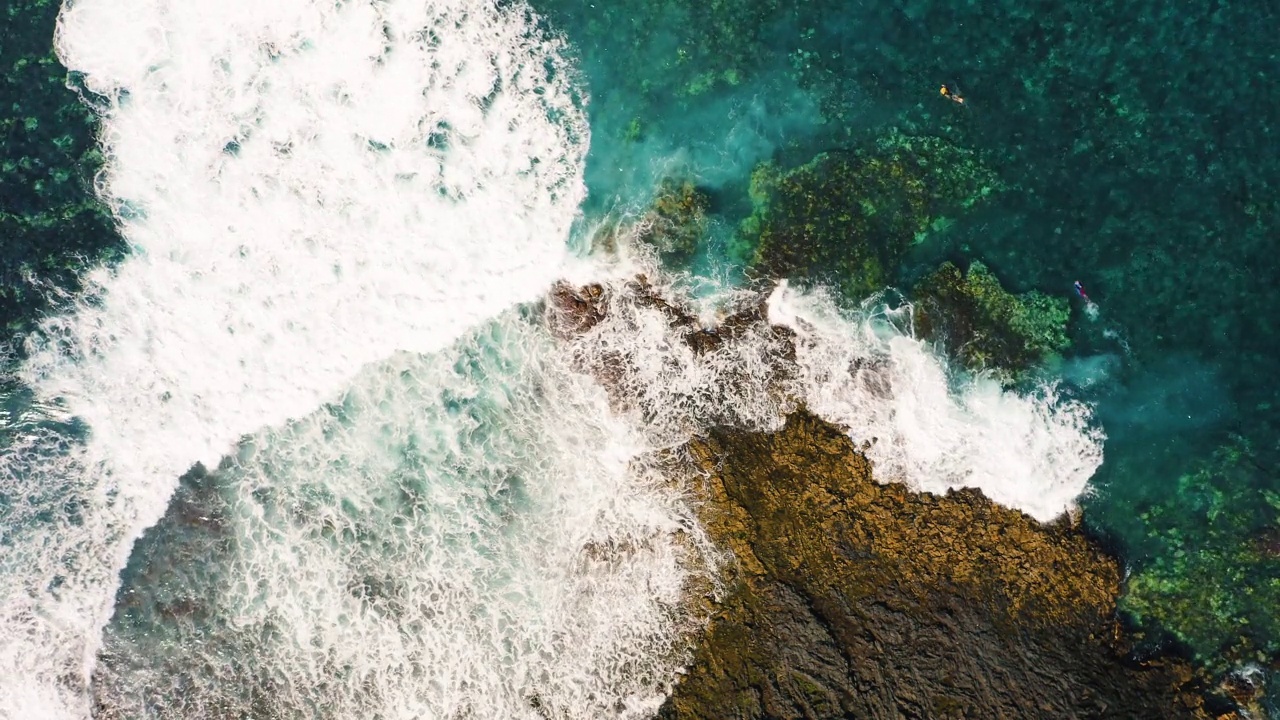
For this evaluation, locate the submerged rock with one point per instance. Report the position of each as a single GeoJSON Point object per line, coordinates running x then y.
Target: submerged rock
{"type": "Point", "coordinates": [676, 222]}
{"type": "Point", "coordinates": [855, 599]}
{"type": "Point", "coordinates": [847, 218]}
{"type": "Point", "coordinates": [848, 598]}
{"type": "Point", "coordinates": [985, 326]}
{"type": "Point", "coordinates": [1210, 577]}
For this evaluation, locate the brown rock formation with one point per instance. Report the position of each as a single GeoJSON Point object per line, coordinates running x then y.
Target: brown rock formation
{"type": "Point", "coordinates": [852, 599]}
{"type": "Point", "coordinates": [860, 600]}
{"type": "Point", "coordinates": [573, 311]}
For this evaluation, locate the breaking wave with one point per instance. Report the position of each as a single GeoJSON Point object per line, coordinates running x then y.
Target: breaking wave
{"type": "Point", "coordinates": [920, 421]}
{"type": "Point", "coordinates": [466, 534]}
{"type": "Point", "coordinates": [931, 427]}
{"type": "Point", "coordinates": [307, 188]}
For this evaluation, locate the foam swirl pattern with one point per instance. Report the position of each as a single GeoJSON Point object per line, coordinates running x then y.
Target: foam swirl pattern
{"type": "Point", "coordinates": [307, 188]}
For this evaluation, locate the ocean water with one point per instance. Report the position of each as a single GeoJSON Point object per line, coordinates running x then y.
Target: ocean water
{"type": "Point", "coordinates": [305, 191]}
{"type": "Point", "coordinates": [310, 448]}
{"type": "Point", "coordinates": [460, 534]}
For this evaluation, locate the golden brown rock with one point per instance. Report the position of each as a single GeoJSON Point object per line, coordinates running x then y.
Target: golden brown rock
{"type": "Point", "coordinates": [848, 598]}
{"type": "Point", "coordinates": [855, 599]}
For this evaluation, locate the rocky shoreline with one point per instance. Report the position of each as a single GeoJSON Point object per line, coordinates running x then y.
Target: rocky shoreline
{"type": "Point", "coordinates": [854, 599]}
{"type": "Point", "coordinates": [848, 598]}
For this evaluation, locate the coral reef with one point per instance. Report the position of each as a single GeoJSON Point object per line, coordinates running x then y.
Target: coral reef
{"type": "Point", "coordinates": [854, 599]}
{"type": "Point", "coordinates": [676, 222]}
{"type": "Point", "coordinates": [985, 326]}
{"type": "Point", "coordinates": [847, 218]}
{"type": "Point", "coordinates": [51, 224]}
{"type": "Point", "coordinates": [1212, 580]}
{"type": "Point", "coordinates": [848, 598]}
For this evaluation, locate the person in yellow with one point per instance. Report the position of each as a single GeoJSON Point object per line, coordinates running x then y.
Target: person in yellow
{"type": "Point", "coordinates": [951, 94]}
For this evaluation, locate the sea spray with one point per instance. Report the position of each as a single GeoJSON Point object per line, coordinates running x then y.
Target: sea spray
{"type": "Point", "coordinates": [646, 354]}
{"type": "Point", "coordinates": [928, 425]}
{"type": "Point", "coordinates": [307, 188]}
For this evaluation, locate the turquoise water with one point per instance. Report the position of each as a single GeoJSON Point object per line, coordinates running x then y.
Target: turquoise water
{"type": "Point", "coordinates": [1133, 147]}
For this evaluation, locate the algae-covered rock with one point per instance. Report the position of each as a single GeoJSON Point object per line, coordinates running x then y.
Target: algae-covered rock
{"type": "Point", "coordinates": [847, 218]}
{"type": "Point", "coordinates": [986, 326]}
{"type": "Point", "coordinates": [676, 222]}
{"type": "Point", "coordinates": [854, 599]}
{"type": "Point", "coordinates": [1213, 581]}
{"type": "Point", "coordinates": [847, 598]}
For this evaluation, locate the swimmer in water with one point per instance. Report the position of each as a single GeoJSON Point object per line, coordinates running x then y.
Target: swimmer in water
{"type": "Point", "coordinates": [951, 93]}
{"type": "Point", "coordinates": [1080, 291]}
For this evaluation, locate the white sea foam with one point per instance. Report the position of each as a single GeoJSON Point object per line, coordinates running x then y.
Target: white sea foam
{"type": "Point", "coordinates": [666, 387]}
{"type": "Point", "coordinates": [308, 187]}
{"type": "Point", "coordinates": [463, 535]}
{"type": "Point", "coordinates": [865, 371]}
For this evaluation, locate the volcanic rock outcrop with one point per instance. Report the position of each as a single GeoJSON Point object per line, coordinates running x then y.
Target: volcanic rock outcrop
{"type": "Point", "coordinates": [854, 599]}
{"type": "Point", "coordinates": [846, 598]}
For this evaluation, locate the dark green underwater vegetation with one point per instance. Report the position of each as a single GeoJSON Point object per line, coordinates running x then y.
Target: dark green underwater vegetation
{"type": "Point", "coordinates": [1214, 584]}
{"type": "Point", "coordinates": [987, 327]}
{"type": "Point", "coordinates": [51, 227]}
{"type": "Point", "coordinates": [1131, 146]}
{"type": "Point", "coordinates": [888, 197]}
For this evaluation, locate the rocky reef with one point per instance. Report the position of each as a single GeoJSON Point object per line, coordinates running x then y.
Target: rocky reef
{"type": "Point", "coordinates": [848, 598]}
{"type": "Point", "coordinates": [847, 218]}
{"type": "Point", "coordinates": [985, 326]}
{"type": "Point", "coordinates": [855, 599]}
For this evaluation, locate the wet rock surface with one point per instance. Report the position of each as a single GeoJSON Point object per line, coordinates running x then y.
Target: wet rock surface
{"type": "Point", "coordinates": [846, 598]}
{"type": "Point", "coordinates": [853, 599]}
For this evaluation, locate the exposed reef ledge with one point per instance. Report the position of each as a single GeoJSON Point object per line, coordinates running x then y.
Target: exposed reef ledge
{"type": "Point", "coordinates": [854, 599]}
